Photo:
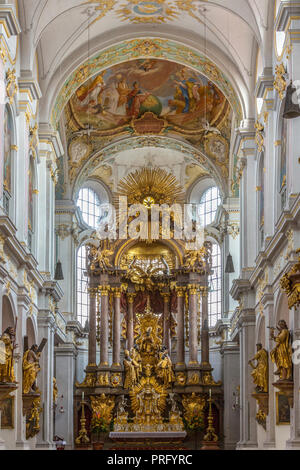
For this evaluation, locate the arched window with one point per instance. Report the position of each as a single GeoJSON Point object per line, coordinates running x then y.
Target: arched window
{"type": "Point", "coordinates": [215, 286]}
{"type": "Point", "coordinates": [82, 287]}
{"type": "Point", "coordinates": [7, 164]}
{"type": "Point", "coordinates": [209, 204]}
{"type": "Point", "coordinates": [89, 204]}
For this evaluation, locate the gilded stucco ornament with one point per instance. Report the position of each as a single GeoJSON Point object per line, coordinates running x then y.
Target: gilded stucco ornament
{"type": "Point", "coordinates": [259, 137]}
{"type": "Point", "coordinates": [193, 405]}
{"type": "Point", "coordinates": [11, 84]}
{"type": "Point", "coordinates": [280, 84]}
{"type": "Point", "coordinates": [33, 419]}
{"type": "Point", "coordinates": [103, 406]}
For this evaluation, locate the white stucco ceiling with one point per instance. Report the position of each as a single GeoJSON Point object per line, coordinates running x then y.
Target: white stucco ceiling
{"type": "Point", "coordinates": [66, 32]}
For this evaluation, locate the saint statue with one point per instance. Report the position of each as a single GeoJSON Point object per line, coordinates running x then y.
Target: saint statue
{"type": "Point", "coordinates": [31, 368]}
{"type": "Point", "coordinates": [164, 368]}
{"type": "Point", "coordinates": [6, 356]}
{"type": "Point", "coordinates": [130, 368]}
{"type": "Point", "coordinates": [281, 355]}
{"type": "Point", "coordinates": [147, 342]}
{"type": "Point", "coordinates": [260, 371]}
{"type": "Point", "coordinates": [137, 360]}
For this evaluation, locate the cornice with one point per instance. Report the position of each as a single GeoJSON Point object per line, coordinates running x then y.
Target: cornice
{"type": "Point", "coordinates": [287, 10]}
{"type": "Point", "coordinates": [9, 20]}
{"type": "Point", "coordinates": [239, 286]}
{"type": "Point", "coordinates": [31, 86]}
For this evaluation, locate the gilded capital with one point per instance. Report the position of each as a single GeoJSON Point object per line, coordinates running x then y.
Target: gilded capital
{"type": "Point", "coordinates": [193, 289]}
{"type": "Point", "coordinates": [92, 291]}
{"type": "Point", "coordinates": [130, 298]}
{"type": "Point", "coordinates": [104, 290]}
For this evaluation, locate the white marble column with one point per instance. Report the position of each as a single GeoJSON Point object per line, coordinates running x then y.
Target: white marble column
{"type": "Point", "coordinates": [270, 442]}
{"type": "Point", "coordinates": [46, 326]}
{"type": "Point", "coordinates": [65, 357]}
{"type": "Point", "coordinates": [294, 442]}
{"type": "Point", "coordinates": [23, 304]}
{"type": "Point", "coordinates": [248, 427]}
{"type": "Point", "coordinates": [231, 382]}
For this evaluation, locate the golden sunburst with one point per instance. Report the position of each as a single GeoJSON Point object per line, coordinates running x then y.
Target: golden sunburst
{"type": "Point", "coordinates": [150, 186]}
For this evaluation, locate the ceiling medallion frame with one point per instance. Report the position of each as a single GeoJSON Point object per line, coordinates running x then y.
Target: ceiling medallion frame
{"type": "Point", "coordinates": [155, 48]}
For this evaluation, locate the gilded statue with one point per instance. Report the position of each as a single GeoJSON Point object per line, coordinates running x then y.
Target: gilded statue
{"type": "Point", "coordinates": [31, 368]}
{"type": "Point", "coordinates": [260, 371]}
{"type": "Point", "coordinates": [281, 355]}
{"type": "Point", "coordinates": [164, 369]}
{"type": "Point", "coordinates": [7, 347]}
{"type": "Point", "coordinates": [100, 257]}
{"type": "Point", "coordinates": [137, 360]}
{"type": "Point", "coordinates": [130, 367]}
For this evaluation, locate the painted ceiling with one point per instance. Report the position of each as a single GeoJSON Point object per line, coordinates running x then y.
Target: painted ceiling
{"type": "Point", "coordinates": [147, 97]}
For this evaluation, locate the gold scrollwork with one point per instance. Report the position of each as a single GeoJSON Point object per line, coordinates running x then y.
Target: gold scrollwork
{"type": "Point", "coordinates": [259, 137]}
{"type": "Point", "coordinates": [11, 84]}
{"type": "Point", "coordinates": [280, 81]}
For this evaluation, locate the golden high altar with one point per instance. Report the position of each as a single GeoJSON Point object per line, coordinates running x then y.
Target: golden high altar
{"type": "Point", "coordinates": [148, 312]}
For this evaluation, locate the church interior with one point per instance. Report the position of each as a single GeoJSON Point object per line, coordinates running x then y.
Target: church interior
{"type": "Point", "coordinates": [149, 224]}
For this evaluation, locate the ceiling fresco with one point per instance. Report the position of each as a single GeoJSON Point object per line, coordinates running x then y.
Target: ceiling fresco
{"type": "Point", "coordinates": [147, 97]}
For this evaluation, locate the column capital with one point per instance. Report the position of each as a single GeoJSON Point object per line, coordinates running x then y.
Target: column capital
{"type": "Point", "coordinates": [104, 290]}
{"type": "Point", "coordinates": [117, 292]}
{"type": "Point", "coordinates": [130, 297]}
{"type": "Point", "coordinates": [193, 289]}
{"type": "Point", "coordinates": [180, 291]}
{"type": "Point", "coordinates": [93, 291]}
{"type": "Point", "coordinates": [166, 296]}
{"type": "Point", "coordinates": [204, 291]}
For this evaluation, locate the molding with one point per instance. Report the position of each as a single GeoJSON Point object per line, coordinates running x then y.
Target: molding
{"type": "Point", "coordinates": [9, 20]}
{"type": "Point", "coordinates": [287, 10]}
{"type": "Point", "coordinates": [239, 287]}
{"type": "Point", "coordinates": [49, 136]}
{"type": "Point", "coordinates": [265, 83]}
{"type": "Point", "coordinates": [31, 86]}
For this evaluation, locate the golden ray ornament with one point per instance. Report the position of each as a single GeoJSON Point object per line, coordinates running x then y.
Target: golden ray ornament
{"type": "Point", "coordinates": [150, 186]}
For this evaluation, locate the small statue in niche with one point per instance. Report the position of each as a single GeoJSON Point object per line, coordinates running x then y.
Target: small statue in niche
{"type": "Point", "coordinates": [281, 355]}
{"type": "Point", "coordinates": [7, 346]}
{"type": "Point", "coordinates": [137, 360]}
{"type": "Point", "coordinates": [260, 371]}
